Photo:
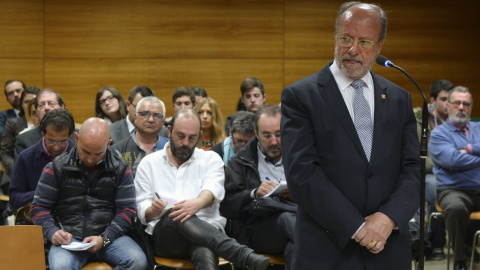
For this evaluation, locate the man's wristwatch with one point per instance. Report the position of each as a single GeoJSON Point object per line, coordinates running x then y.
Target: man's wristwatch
{"type": "Point", "coordinates": [106, 241]}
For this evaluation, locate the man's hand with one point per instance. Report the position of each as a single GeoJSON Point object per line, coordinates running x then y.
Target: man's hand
{"type": "Point", "coordinates": [155, 209]}
{"type": "Point", "coordinates": [185, 209]}
{"type": "Point", "coordinates": [265, 188]}
{"type": "Point", "coordinates": [97, 246]}
{"type": "Point", "coordinates": [61, 237]}
{"type": "Point", "coordinates": [375, 232]}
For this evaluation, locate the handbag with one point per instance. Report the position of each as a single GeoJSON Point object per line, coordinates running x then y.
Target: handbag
{"type": "Point", "coordinates": [266, 206]}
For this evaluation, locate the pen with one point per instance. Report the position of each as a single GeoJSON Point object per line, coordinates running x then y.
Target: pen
{"type": "Point", "coordinates": [60, 223]}
{"type": "Point", "coordinates": [158, 196]}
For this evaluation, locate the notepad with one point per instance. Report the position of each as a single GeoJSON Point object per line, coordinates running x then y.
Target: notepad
{"type": "Point", "coordinates": [78, 246]}
{"type": "Point", "coordinates": [278, 189]}
{"type": "Point", "coordinates": [165, 211]}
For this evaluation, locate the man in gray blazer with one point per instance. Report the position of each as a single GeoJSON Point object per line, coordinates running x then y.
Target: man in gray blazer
{"type": "Point", "coordinates": [351, 155]}
{"type": "Point", "coordinates": [124, 128]}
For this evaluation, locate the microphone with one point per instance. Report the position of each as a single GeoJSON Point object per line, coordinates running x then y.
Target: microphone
{"type": "Point", "coordinates": [383, 61]}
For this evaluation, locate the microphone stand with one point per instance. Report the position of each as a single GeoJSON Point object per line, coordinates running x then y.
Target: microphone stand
{"type": "Point", "coordinates": [423, 158]}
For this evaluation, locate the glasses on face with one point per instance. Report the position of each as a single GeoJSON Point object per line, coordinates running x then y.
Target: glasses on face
{"type": "Point", "coordinates": [102, 101]}
{"type": "Point", "coordinates": [348, 42]}
{"type": "Point", "coordinates": [268, 136]}
{"type": "Point", "coordinates": [236, 143]}
{"type": "Point", "coordinates": [147, 114]}
{"type": "Point", "coordinates": [457, 103]}
{"type": "Point", "coordinates": [52, 143]}
{"type": "Point", "coordinates": [50, 104]}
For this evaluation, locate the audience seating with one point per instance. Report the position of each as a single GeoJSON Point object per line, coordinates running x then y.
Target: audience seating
{"type": "Point", "coordinates": [473, 216]}
{"type": "Point", "coordinates": [97, 266]}
{"type": "Point", "coordinates": [23, 247]}
{"type": "Point", "coordinates": [178, 263]}
{"type": "Point", "coordinates": [275, 259]}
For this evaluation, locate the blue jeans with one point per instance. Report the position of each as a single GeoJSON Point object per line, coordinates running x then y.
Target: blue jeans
{"type": "Point", "coordinates": [430, 192]}
{"type": "Point", "coordinates": [124, 253]}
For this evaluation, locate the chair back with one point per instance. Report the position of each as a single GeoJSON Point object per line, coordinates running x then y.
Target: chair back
{"type": "Point", "coordinates": [22, 247]}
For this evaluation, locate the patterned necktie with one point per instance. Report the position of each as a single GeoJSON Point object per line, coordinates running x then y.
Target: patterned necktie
{"type": "Point", "coordinates": [362, 117]}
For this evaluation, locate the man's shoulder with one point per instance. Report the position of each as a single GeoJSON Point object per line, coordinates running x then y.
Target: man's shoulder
{"type": "Point", "coordinates": [33, 133]}
{"type": "Point", "coordinates": [123, 144]}
{"type": "Point", "coordinates": [119, 125]}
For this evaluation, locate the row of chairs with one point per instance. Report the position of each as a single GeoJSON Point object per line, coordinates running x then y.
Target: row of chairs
{"type": "Point", "coordinates": [24, 249]}
{"type": "Point", "coordinates": [473, 216]}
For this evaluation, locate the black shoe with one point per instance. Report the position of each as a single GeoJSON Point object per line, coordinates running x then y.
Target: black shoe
{"type": "Point", "coordinates": [257, 262]}
{"type": "Point", "coordinates": [437, 254]}
{"type": "Point", "coordinates": [460, 265]}
{"type": "Point", "coordinates": [468, 253]}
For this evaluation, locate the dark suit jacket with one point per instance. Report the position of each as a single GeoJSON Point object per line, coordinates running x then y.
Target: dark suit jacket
{"type": "Point", "coordinates": [4, 116]}
{"type": "Point", "coordinates": [119, 131]}
{"type": "Point", "coordinates": [332, 181]}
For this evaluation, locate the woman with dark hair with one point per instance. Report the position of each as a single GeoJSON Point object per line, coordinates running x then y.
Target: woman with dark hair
{"type": "Point", "coordinates": [109, 105]}
{"type": "Point", "coordinates": [213, 131]}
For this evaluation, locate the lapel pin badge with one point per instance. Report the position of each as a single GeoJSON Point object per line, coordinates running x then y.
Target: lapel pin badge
{"type": "Point", "coordinates": [383, 96]}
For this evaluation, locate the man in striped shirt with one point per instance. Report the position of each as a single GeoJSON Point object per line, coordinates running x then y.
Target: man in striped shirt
{"type": "Point", "coordinates": [87, 195]}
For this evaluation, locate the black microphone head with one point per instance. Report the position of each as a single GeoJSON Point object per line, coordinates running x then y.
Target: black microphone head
{"type": "Point", "coordinates": [382, 61]}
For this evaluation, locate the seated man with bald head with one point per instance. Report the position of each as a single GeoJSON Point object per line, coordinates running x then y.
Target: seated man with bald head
{"type": "Point", "coordinates": [87, 195]}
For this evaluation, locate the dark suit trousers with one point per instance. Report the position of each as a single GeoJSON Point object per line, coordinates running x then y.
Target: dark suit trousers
{"type": "Point", "coordinates": [457, 204]}
{"type": "Point", "coordinates": [274, 235]}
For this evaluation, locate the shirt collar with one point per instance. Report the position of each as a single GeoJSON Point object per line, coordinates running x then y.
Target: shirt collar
{"type": "Point", "coordinates": [466, 127]}
{"type": "Point", "coordinates": [167, 159]}
{"type": "Point", "coordinates": [50, 156]}
{"type": "Point", "coordinates": [344, 82]}
{"type": "Point", "coordinates": [263, 157]}
{"type": "Point", "coordinates": [130, 126]}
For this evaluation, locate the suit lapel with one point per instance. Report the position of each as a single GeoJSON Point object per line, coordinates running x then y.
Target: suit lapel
{"type": "Point", "coordinates": [331, 94]}
{"type": "Point", "coordinates": [381, 113]}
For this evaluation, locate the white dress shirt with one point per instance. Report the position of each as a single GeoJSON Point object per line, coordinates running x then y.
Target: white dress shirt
{"type": "Point", "coordinates": [348, 91]}
{"type": "Point", "coordinates": [204, 170]}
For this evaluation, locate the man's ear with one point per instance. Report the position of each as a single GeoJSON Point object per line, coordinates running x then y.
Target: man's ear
{"type": "Point", "coordinates": [432, 100]}
{"type": "Point", "coordinates": [76, 137]}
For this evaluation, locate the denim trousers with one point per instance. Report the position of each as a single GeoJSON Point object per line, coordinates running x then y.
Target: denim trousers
{"type": "Point", "coordinates": [199, 241]}
{"type": "Point", "coordinates": [124, 253]}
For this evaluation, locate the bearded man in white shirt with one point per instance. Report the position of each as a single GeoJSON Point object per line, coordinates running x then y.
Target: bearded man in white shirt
{"type": "Point", "coordinates": [190, 181]}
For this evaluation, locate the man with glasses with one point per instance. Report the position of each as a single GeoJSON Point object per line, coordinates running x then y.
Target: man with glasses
{"type": "Point", "coordinates": [455, 151]}
{"type": "Point", "coordinates": [351, 154]}
{"type": "Point", "coordinates": [252, 173]}
{"type": "Point", "coordinates": [47, 100]}
{"type": "Point", "coordinates": [57, 127]}
{"type": "Point", "coordinates": [149, 120]}
{"type": "Point", "coordinates": [241, 131]}
{"type": "Point", "coordinates": [124, 128]}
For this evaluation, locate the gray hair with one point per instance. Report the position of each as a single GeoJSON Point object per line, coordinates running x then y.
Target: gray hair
{"type": "Point", "coordinates": [461, 89]}
{"type": "Point", "coordinates": [243, 122]}
{"type": "Point", "coordinates": [152, 99]}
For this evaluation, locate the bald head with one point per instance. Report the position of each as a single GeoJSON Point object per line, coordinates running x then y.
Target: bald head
{"type": "Point", "coordinates": [92, 140]}
{"type": "Point", "coordinates": [186, 114]}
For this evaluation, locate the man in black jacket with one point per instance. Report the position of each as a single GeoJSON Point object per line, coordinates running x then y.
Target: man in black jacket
{"type": "Point", "coordinates": [251, 174]}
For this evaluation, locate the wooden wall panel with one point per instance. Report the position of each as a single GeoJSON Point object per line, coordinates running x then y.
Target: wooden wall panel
{"type": "Point", "coordinates": [21, 28]}
{"type": "Point", "coordinates": [78, 80]}
{"type": "Point", "coordinates": [28, 70]}
{"type": "Point", "coordinates": [430, 41]}
{"type": "Point", "coordinates": [164, 29]}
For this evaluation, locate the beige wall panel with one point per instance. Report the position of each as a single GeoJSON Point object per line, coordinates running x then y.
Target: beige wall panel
{"type": "Point", "coordinates": [21, 28]}
{"type": "Point", "coordinates": [78, 80]}
{"type": "Point", "coordinates": [29, 71]}
{"type": "Point", "coordinates": [165, 29]}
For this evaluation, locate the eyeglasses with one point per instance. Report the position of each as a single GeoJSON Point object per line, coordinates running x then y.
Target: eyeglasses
{"type": "Point", "coordinates": [52, 143]}
{"type": "Point", "coordinates": [147, 114]}
{"type": "Point", "coordinates": [51, 104]}
{"type": "Point", "coordinates": [236, 143]}
{"type": "Point", "coordinates": [348, 42]}
{"type": "Point", "coordinates": [457, 103]}
{"type": "Point", "coordinates": [102, 101]}
{"type": "Point", "coordinates": [268, 136]}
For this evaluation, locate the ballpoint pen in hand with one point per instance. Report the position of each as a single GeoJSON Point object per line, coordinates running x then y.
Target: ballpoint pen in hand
{"type": "Point", "coordinates": [60, 223]}
{"type": "Point", "coordinates": [158, 197]}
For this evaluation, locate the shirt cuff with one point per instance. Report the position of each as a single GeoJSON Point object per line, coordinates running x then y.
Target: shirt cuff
{"type": "Point", "coordinates": [469, 149]}
{"type": "Point", "coordinates": [252, 194]}
{"type": "Point", "coordinates": [355, 234]}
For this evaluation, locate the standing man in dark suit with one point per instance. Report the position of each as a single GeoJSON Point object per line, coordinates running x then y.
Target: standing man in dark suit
{"type": "Point", "coordinates": [13, 90]}
{"type": "Point", "coordinates": [356, 190]}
